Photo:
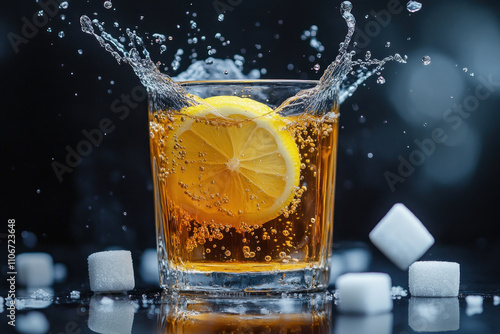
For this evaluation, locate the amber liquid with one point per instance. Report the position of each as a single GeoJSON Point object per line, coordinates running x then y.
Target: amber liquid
{"type": "Point", "coordinates": [298, 238]}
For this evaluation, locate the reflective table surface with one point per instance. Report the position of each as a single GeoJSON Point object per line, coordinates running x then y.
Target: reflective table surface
{"type": "Point", "coordinates": [144, 310]}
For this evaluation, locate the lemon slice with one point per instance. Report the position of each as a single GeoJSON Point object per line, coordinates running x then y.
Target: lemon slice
{"type": "Point", "coordinates": [235, 162]}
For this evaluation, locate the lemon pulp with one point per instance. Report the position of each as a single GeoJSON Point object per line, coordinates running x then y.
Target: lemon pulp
{"type": "Point", "coordinates": [235, 162]}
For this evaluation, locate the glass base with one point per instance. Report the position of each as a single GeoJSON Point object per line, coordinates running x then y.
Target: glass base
{"type": "Point", "coordinates": [290, 281]}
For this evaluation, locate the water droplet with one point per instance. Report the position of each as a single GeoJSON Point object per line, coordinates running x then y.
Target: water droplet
{"type": "Point", "coordinates": [193, 24]}
{"type": "Point", "coordinates": [367, 16]}
{"type": "Point", "coordinates": [80, 51]}
{"type": "Point", "coordinates": [316, 67]}
{"type": "Point", "coordinates": [388, 44]}
{"type": "Point", "coordinates": [426, 60]}
{"type": "Point", "coordinates": [61, 34]}
{"type": "Point", "coordinates": [49, 29]}
{"type": "Point", "coordinates": [163, 48]}
{"type": "Point", "coordinates": [381, 80]}
{"type": "Point", "coordinates": [368, 55]}
{"type": "Point", "coordinates": [40, 13]}
{"type": "Point", "coordinates": [226, 72]}
{"type": "Point", "coordinates": [116, 24]}
{"type": "Point", "coordinates": [472, 74]}
{"type": "Point", "coordinates": [362, 119]}
{"type": "Point", "coordinates": [108, 4]}
{"type": "Point", "coordinates": [465, 69]}
{"type": "Point", "coordinates": [425, 125]}
{"type": "Point", "coordinates": [64, 5]}
{"type": "Point", "coordinates": [63, 17]}
{"type": "Point", "coordinates": [220, 17]}
{"type": "Point", "coordinates": [370, 155]}
{"type": "Point", "coordinates": [38, 191]}
{"type": "Point", "coordinates": [413, 6]}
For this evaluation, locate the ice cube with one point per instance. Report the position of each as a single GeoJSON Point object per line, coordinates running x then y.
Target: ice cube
{"type": "Point", "coordinates": [434, 279]}
{"type": "Point", "coordinates": [111, 271]}
{"type": "Point", "coordinates": [434, 314]}
{"type": "Point", "coordinates": [35, 269]}
{"type": "Point", "coordinates": [33, 322]}
{"type": "Point", "coordinates": [108, 315]}
{"type": "Point", "coordinates": [474, 305]}
{"type": "Point", "coordinates": [149, 266]}
{"type": "Point", "coordinates": [364, 293]}
{"type": "Point", "coordinates": [401, 236]}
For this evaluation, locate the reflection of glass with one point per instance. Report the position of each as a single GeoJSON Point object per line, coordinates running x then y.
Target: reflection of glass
{"type": "Point", "coordinates": [244, 194]}
{"type": "Point", "coordinates": [205, 315]}
{"type": "Point", "coordinates": [110, 315]}
{"type": "Point", "coordinates": [434, 314]}
{"type": "Point", "coordinates": [359, 324]}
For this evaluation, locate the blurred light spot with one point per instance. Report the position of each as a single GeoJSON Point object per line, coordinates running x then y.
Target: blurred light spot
{"type": "Point", "coordinates": [452, 165]}
{"type": "Point", "coordinates": [422, 94]}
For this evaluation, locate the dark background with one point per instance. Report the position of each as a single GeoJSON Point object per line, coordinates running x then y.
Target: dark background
{"type": "Point", "coordinates": [50, 93]}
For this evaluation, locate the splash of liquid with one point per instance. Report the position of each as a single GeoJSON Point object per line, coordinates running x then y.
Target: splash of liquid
{"type": "Point", "coordinates": [164, 93]}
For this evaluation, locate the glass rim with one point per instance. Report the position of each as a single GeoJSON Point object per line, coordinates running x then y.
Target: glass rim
{"type": "Point", "coordinates": [247, 81]}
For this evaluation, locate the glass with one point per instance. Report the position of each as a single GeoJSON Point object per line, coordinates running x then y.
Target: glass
{"type": "Point", "coordinates": [258, 218]}
{"type": "Point", "coordinates": [295, 314]}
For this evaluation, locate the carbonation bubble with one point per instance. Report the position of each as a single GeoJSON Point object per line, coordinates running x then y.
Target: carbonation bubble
{"type": "Point", "coordinates": [220, 17]}
{"type": "Point", "coordinates": [381, 80]}
{"type": "Point", "coordinates": [426, 60]}
{"type": "Point", "coordinates": [108, 4]}
{"type": "Point", "coordinates": [64, 5]}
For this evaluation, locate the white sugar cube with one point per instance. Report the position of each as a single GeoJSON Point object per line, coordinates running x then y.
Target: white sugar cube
{"type": "Point", "coordinates": [474, 305]}
{"type": "Point", "coordinates": [35, 269]}
{"type": "Point", "coordinates": [366, 293]}
{"type": "Point", "coordinates": [108, 315]}
{"type": "Point", "coordinates": [434, 314]}
{"type": "Point", "coordinates": [434, 279]}
{"type": "Point", "coordinates": [358, 324]}
{"type": "Point", "coordinates": [401, 236]}
{"type": "Point", "coordinates": [33, 322]}
{"type": "Point", "coordinates": [149, 266]}
{"type": "Point", "coordinates": [111, 271]}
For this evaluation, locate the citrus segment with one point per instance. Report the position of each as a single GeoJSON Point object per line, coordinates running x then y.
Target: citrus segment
{"type": "Point", "coordinates": [233, 162]}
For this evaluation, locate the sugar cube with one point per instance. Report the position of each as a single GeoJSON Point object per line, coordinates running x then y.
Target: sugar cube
{"type": "Point", "coordinates": [401, 236]}
{"type": "Point", "coordinates": [111, 271]}
{"type": "Point", "coordinates": [474, 305]}
{"type": "Point", "coordinates": [359, 324]}
{"type": "Point", "coordinates": [149, 266]}
{"type": "Point", "coordinates": [107, 315]}
{"type": "Point", "coordinates": [366, 293]}
{"type": "Point", "coordinates": [434, 314]}
{"type": "Point", "coordinates": [33, 322]}
{"type": "Point", "coordinates": [35, 269]}
{"type": "Point", "coordinates": [434, 279]}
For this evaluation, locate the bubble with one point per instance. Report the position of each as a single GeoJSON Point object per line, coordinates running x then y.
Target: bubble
{"type": "Point", "coordinates": [368, 55]}
{"type": "Point", "coordinates": [465, 69]}
{"type": "Point", "coordinates": [413, 6]}
{"type": "Point", "coordinates": [316, 67]}
{"type": "Point", "coordinates": [63, 17]}
{"type": "Point", "coordinates": [108, 4]}
{"type": "Point", "coordinates": [267, 258]}
{"type": "Point", "coordinates": [61, 34]}
{"type": "Point", "coordinates": [40, 13]}
{"type": "Point", "coordinates": [282, 255]}
{"type": "Point", "coordinates": [370, 155]}
{"type": "Point", "coordinates": [80, 51]}
{"type": "Point", "coordinates": [220, 18]}
{"type": "Point", "coordinates": [388, 44]}
{"type": "Point", "coordinates": [381, 80]}
{"type": "Point", "coordinates": [64, 5]}
{"type": "Point", "coordinates": [426, 60]}
{"type": "Point", "coordinates": [227, 253]}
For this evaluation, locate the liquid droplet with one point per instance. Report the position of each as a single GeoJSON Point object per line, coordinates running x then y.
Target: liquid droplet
{"type": "Point", "coordinates": [413, 6]}
{"type": "Point", "coordinates": [381, 80]}
{"type": "Point", "coordinates": [80, 51]}
{"type": "Point", "coordinates": [108, 4]}
{"type": "Point", "coordinates": [426, 60]}
{"type": "Point", "coordinates": [368, 55]}
{"type": "Point", "coordinates": [472, 74]}
{"type": "Point", "coordinates": [61, 34]}
{"type": "Point", "coordinates": [64, 5]}
{"type": "Point", "coordinates": [220, 17]}
{"type": "Point", "coordinates": [388, 44]}
{"type": "Point", "coordinates": [40, 13]}
{"type": "Point", "coordinates": [370, 155]}
{"type": "Point", "coordinates": [317, 67]}
{"type": "Point", "coordinates": [465, 69]}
